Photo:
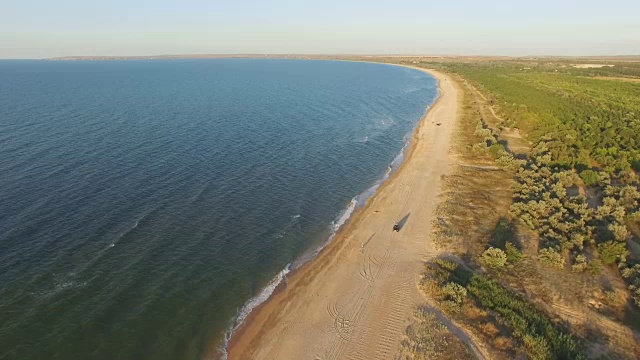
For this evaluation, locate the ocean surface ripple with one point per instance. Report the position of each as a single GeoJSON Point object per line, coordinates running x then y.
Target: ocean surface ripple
{"type": "Point", "coordinates": [148, 206]}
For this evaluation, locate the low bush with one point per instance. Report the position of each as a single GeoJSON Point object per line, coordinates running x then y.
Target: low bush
{"type": "Point", "coordinates": [595, 266]}
{"type": "Point", "coordinates": [493, 258]}
{"type": "Point", "coordinates": [513, 254]}
{"type": "Point", "coordinates": [496, 150]}
{"type": "Point", "coordinates": [632, 275]}
{"type": "Point", "coordinates": [540, 337]}
{"type": "Point", "coordinates": [454, 292]}
{"type": "Point", "coordinates": [590, 177]}
{"type": "Point", "coordinates": [550, 257]}
{"type": "Point", "coordinates": [580, 264]}
{"type": "Point", "coordinates": [612, 251]}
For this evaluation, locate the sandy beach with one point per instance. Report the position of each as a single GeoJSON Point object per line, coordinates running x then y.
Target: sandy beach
{"type": "Point", "coordinates": [356, 298]}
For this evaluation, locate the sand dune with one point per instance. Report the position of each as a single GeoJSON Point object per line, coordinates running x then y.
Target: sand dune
{"type": "Point", "coordinates": [355, 300]}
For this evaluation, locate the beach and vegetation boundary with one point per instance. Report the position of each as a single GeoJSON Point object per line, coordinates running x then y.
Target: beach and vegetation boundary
{"type": "Point", "coordinates": [246, 342]}
{"type": "Point", "coordinates": [534, 247]}
{"type": "Point", "coordinates": [574, 261]}
{"type": "Point", "coordinates": [509, 155]}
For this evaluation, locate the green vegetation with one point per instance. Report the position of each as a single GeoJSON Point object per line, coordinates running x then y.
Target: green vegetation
{"type": "Point", "coordinates": [581, 120]}
{"type": "Point", "coordinates": [620, 69]}
{"type": "Point", "coordinates": [538, 336]}
{"type": "Point", "coordinates": [427, 338]}
{"type": "Point", "coordinates": [454, 292]}
{"type": "Point", "coordinates": [551, 257]}
{"type": "Point", "coordinates": [577, 186]}
{"type": "Point", "coordinates": [579, 264]}
{"type": "Point", "coordinates": [513, 254]}
{"type": "Point", "coordinates": [503, 251]}
{"type": "Point", "coordinates": [632, 274]}
{"type": "Point", "coordinates": [493, 258]}
{"type": "Point", "coordinates": [590, 177]}
{"type": "Point", "coordinates": [560, 208]}
{"type": "Point", "coordinates": [612, 251]}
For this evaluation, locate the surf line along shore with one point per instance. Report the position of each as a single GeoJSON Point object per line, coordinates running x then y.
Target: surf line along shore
{"type": "Point", "coordinates": [356, 298]}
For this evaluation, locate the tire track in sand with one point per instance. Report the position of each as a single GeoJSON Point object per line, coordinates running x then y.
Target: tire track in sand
{"type": "Point", "coordinates": [354, 300]}
{"type": "Point", "coordinates": [390, 313]}
{"type": "Point", "coordinates": [356, 305]}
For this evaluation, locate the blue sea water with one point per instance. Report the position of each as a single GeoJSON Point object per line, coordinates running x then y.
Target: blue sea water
{"type": "Point", "coordinates": [147, 206]}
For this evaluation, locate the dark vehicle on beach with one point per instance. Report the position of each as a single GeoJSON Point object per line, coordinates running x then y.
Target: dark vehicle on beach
{"type": "Point", "coordinates": [396, 227]}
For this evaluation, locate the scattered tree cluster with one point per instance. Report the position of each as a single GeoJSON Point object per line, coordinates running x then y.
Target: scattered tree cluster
{"type": "Point", "coordinates": [489, 143]}
{"type": "Point", "coordinates": [578, 187]}
{"type": "Point", "coordinates": [632, 275]}
{"type": "Point", "coordinates": [580, 120]}
{"type": "Point", "coordinates": [493, 258]}
{"type": "Point", "coordinates": [567, 225]}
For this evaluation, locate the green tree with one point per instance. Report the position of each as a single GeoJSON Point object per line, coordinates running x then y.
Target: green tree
{"type": "Point", "coordinates": [590, 177]}
{"type": "Point", "coordinates": [580, 264]}
{"type": "Point", "coordinates": [513, 254]}
{"type": "Point", "coordinates": [611, 251]}
{"type": "Point", "coordinates": [550, 257]}
{"type": "Point", "coordinates": [493, 258]}
{"type": "Point", "coordinates": [595, 266]}
{"type": "Point", "coordinates": [454, 292]}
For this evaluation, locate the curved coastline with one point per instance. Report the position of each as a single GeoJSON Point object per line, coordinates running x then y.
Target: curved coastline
{"type": "Point", "coordinates": [246, 336]}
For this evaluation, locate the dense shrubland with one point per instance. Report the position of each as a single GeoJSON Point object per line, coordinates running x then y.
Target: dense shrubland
{"type": "Point", "coordinates": [583, 122]}
{"type": "Point", "coordinates": [577, 188]}
{"type": "Point", "coordinates": [626, 69]}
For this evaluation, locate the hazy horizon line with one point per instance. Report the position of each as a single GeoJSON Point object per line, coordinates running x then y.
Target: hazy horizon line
{"type": "Point", "coordinates": [318, 55]}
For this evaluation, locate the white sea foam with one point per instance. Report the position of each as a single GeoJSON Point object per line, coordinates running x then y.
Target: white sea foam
{"type": "Point", "coordinates": [62, 283]}
{"type": "Point", "coordinates": [135, 225]}
{"type": "Point", "coordinates": [411, 89]}
{"type": "Point", "coordinates": [252, 304]}
{"type": "Point", "coordinates": [270, 288]}
{"type": "Point", "coordinates": [386, 122]}
{"type": "Point", "coordinates": [355, 203]}
{"type": "Point", "coordinates": [344, 217]}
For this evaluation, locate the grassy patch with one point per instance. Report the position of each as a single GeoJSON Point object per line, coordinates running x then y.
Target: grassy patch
{"type": "Point", "coordinates": [427, 338]}
{"type": "Point", "coordinates": [537, 336]}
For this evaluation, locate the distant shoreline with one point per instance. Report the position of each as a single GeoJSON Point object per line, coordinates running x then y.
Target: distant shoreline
{"type": "Point", "coordinates": [336, 57]}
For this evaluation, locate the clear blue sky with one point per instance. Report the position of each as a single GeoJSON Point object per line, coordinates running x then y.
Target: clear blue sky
{"type": "Point", "coordinates": [46, 28]}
